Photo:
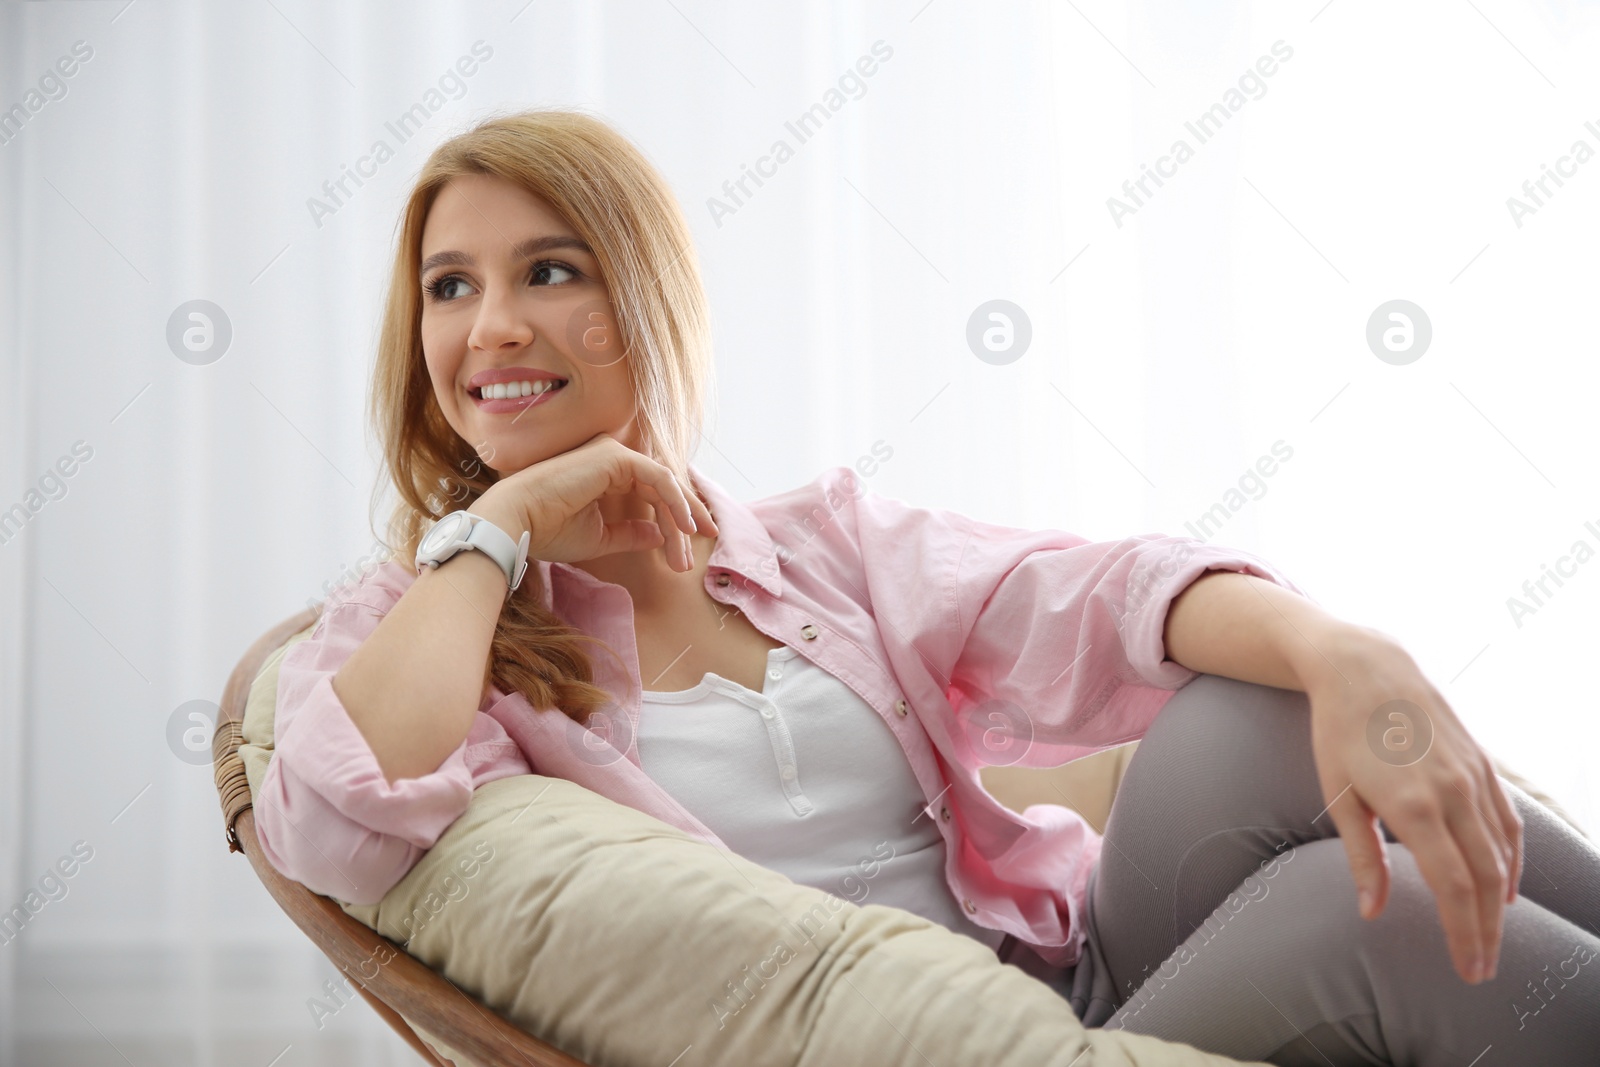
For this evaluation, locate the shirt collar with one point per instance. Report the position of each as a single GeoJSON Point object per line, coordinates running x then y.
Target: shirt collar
{"type": "Point", "coordinates": [743, 546]}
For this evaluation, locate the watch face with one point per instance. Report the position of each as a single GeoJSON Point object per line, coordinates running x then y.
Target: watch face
{"type": "Point", "coordinates": [445, 531]}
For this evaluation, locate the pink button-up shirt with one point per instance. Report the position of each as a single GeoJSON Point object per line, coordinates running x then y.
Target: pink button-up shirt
{"type": "Point", "coordinates": [977, 644]}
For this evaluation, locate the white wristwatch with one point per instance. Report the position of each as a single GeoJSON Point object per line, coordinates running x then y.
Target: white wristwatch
{"type": "Point", "coordinates": [463, 529]}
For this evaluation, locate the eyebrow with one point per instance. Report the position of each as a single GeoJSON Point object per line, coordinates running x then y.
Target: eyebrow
{"type": "Point", "coordinates": [523, 251]}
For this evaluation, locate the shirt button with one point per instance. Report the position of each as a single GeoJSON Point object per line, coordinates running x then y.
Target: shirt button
{"type": "Point", "coordinates": [808, 632]}
{"type": "Point", "coordinates": [944, 812]}
{"type": "Point", "coordinates": [766, 713]}
{"type": "Point", "coordinates": [774, 674]}
{"type": "Point", "coordinates": [722, 579]}
{"type": "Point", "coordinates": [899, 707]}
{"type": "Point", "coordinates": [966, 902]}
{"type": "Point", "coordinates": [788, 774]}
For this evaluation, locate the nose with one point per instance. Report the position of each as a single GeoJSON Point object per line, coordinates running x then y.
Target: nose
{"type": "Point", "coordinates": [501, 323]}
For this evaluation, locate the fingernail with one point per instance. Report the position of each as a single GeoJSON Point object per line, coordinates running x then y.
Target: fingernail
{"type": "Point", "coordinates": [1477, 969]}
{"type": "Point", "coordinates": [1366, 903]}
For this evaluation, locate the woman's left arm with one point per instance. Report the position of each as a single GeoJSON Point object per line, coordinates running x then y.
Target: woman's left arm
{"type": "Point", "coordinates": [1387, 746]}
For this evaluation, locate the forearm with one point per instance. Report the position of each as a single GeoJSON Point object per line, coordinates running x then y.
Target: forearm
{"type": "Point", "coordinates": [1240, 626]}
{"type": "Point", "coordinates": [414, 686]}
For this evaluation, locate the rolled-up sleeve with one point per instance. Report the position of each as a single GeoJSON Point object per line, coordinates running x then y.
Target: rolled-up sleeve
{"type": "Point", "coordinates": [325, 815]}
{"type": "Point", "coordinates": [1041, 634]}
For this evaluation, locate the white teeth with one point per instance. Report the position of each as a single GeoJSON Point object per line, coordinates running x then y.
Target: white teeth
{"type": "Point", "coordinates": [502, 390]}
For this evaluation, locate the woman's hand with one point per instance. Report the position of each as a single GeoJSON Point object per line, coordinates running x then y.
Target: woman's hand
{"type": "Point", "coordinates": [1387, 746]}
{"type": "Point", "coordinates": [558, 501]}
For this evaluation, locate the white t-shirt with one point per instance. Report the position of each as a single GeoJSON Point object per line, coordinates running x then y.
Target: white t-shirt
{"type": "Point", "coordinates": [806, 779]}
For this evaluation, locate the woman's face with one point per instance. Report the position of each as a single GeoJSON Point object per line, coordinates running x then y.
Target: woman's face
{"type": "Point", "coordinates": [511, 294]}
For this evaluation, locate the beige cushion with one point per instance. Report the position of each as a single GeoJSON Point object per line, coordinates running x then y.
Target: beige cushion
{"type": "Point", "coordinates": [625, 941]}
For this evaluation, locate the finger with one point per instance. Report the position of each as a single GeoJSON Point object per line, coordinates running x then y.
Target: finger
{"type": "Point", "coordinates": [633, 471]}
{"type": "Point", "coordinates": [1421, 827]}
{"type": "Point", "coordinates": [1479, 844]}
{"type": "Point", "coordinates": [668, 491]}
{"type": "Point", "coordinates": [676, 541]}
{"type": "Point", "coordinates": [1499, 833]}
{"type": "Point", "coordinates": [1511, 825]}
{"type": "Point", "coordinates": [629, 535]}
{"type": "Point", "coordinates": [702, 516]}
{"type": "Point", "coordinates": [657, 483]}
{"type": "Point", "coordinates": [1364, 848]}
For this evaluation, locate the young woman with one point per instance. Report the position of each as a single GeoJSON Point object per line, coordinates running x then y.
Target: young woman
{"type": "Point", "coordinates": [814, 679]}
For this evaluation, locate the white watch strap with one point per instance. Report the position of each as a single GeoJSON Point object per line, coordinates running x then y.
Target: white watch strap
{"type": "Point", "coordinates": [511, 555]}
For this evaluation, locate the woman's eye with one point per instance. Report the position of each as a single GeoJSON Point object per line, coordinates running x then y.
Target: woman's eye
{"type": "Point", "coordinates": [542, 270]}
{"type": "Point", "coordinates": [439, 288]}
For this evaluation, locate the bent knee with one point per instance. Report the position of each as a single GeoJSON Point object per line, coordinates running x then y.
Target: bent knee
{"type": "Point", "coordinates": [1247, 716]}
{"type": "Point", "coordinates": [1222, 737]}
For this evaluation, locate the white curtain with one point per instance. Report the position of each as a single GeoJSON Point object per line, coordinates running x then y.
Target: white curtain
{"type": "Point", "coordinates": [1193, 333]}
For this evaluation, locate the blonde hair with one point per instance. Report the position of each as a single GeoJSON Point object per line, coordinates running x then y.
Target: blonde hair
{"type": "Point", "coordinates": [614, 199]}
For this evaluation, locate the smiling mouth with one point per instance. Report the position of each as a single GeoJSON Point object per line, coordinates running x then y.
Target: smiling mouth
{"type": "Point", "coordinates": [517, 390]}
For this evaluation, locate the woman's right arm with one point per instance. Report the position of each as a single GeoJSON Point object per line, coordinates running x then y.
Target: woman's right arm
{"type": "Point", "coordinates": [413, 687]}
{"type": "Point", "coordinates": [377, 709]}
{"type": "Point", "coordinates": [326, 814]}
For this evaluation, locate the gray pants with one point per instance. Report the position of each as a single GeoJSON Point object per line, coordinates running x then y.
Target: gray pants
{"type": "Point", "coordinates": [1222, 916]}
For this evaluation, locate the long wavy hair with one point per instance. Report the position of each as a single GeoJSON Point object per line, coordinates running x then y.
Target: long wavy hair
{"type": "Point", "coordinates": [613, 198]}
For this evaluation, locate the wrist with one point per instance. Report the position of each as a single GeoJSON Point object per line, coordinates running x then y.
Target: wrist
{"type": "Point", "coordinates": [501, 512]}
{"type": "Point", "coordinates": [483, 528]}
{"type": "Point", "coordinates": [1328, 652]}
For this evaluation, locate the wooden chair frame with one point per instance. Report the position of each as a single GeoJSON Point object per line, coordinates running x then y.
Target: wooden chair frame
{"type": "Point", "coordinates": [404, 987]}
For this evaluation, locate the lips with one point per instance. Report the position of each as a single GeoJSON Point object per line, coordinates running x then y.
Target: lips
{"type": "Point", "coordinates": [482, 390]}
{"type": "Point", "coordinates": [508, 374]}
{"type": "Point", "coordinates": [516, 403]}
